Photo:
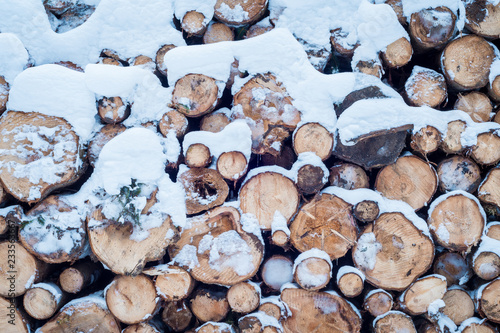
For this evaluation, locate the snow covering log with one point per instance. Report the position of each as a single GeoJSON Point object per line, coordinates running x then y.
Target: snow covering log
{"type": "Point", "coordinates": [177, 315]}
{"type": "Point", "coordinates": [9, 312]}
{"type": "Point", "coordinates": [214, 122]}
{"type": "Point", "coordinates": [458, 173]}
{"type": "Point", "coordinates": [340, 45]}
{"type": "Point", "coordinates": [348, 176]}
{"type": "Point", "coordinates": [103, 136]}
{"type": "Point", "coordinates": [4, 94]}
{"type": "Point", "coordinates": [488, 300]}
{"type": "Point", "coordinates": [276, 271]}
{"type": "Point", "coordinates": [212, 327]}
{"type": "Point", "coordinates": [425, 87]}
{"type": "Point", "coordinates": [422, 293]}
{"type": "Point", "coordinates": [487, 149]}
{"type": "Point", "coordinates": [312, 270]}
{"type": "Point", "coordinates": [42, 300]}
{"type": "Point", "coordinates": [79, 276]}
{"type": "Point", "coordinates": [476, 325]}
{"type": "Point", "coordinates": [392, 252]}
{"type": "Point", "coordinates": [466, 61]}
{"type": "Point", "coordinates": [483, 17]}
{"type": "Point", "coordinates": [210, 304]}
{"type": "Point", "coordinates": [243, 297]}
{"type": "Point", "coordinates": [370, 67]}
{"type": "Point", "coordinates": [273, 307]}
{"type": "Point", "coordinates": [325, 223]}
{"type": "Point", "coordinates": [193, 23]}
{"type": "Point", "coordinates": [394, 321]}
{"type": "Point", "coordinates": [160, 56]}
{"type": "Point", "coordinates": [172, 283]}
{"type": "Point", "coordinates": [397, 53]}
{"type": "Point", "coordinates": [143, 62]}
{"type": "Point", "coordinates": [281, 238]}
{"type": "Point", "coordinates": [218, 32]}
{"type": "Point", "coordinates": [142, 328]}
{"type": "Point", "coordinates": [458, 305]}
{"type": "Point", "coordinates": [409, 179]}
{"type": "Point", "coordinates": [259, 322]}
{"type": "Point", "coordinates": [175, 121]}
{"type": "Point", "coordinates": [432, 28]}
{"type": "Point", "coordinates": [366, 211]}
{"type": "Point", "coordinates": [451, 143]}
{"type": "Point", "coordinates": [476, 104]}
{"type": "Point", "coordinates": [195, 95]}
{"type": "Point", "coordinates": [325, 312]}
{"type": "Point", "coordinates": [259, 28]}
{"type": "Point", "coordinates": [232, 165]}
{"type": "Point", "coordinates": [40, 154]}
{"type": "Point", "coordinates": [378, 302]}
{"type": "Point", "coordinates": [239, 12]}
{"type": "Point", "coordinates": [131, 299]}
{"type": "Point", "coordinates": [426, 140]}
{"type": "Point", "coordinates": [313, 137]}
{"type": "Point", "coordinates": [453, 267]}
{"type": "Point", "coordinates": [197, 156]}
{"type": "Point", "coordinates": [112, 110]}
{"type": "Point", "coordinates": [397, 6]}
{"type": "Point", "coordinates": [489, 190]}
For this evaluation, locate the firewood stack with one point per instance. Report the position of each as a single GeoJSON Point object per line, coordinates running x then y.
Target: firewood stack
{"type": "Point", "coordinates": [250, 166]}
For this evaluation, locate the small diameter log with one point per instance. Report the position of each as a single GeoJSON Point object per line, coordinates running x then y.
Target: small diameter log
{"type": "Point", "coordinates": [278, 192]}
{"type": "Point", "coordinates": [205, 189]}
{"type": "Point", "coordinates": [173, 121]}
{"type": "Point", "coordinates": [416, 299]}
{"type": "Point", "coordinates": [394, 321]}
{"type": "Point", "coordinates": [486, 264]}
{"type": "Point", "coordinates": [348, 176]}
{"type": "Point", "coordinates": [451, 141]}
{"type": "Point", "coordinates": [4, 94]}
{"type": "Point", "coordinates": [143, 62]}
{"type": "Point", "coordinates": [239, 12]}
{"type": "Point", "coordinates": [42, 300]}
{"type": "Point", "coordinates": [310, 179]}
{"type": "Point", "coordinates": [109, 61]}
{"type": "Point", "coordinates": [19, 269]}
{"type": "Point", "coordinates": [453, 267]}
{"type": "Point", "coordinates": [493, 230]}
{"type": "Point", "coordinates": [3, 197]}
{"type": "Point", "coordinates": [258, 322]}
{"type": "Point", "coordinates": [398, 53]}
{"type": "Point", "coordinates": [218, 32]}
{"type": "Point", "coordinates": [488, 300]}
{"type": "Point", "coordinates": [193, 23]}
{"type": "Point", "coordinates": [198, 156]}
{"type": "Point", "coordinates": [313, 137]}
{"type": "Point", "coordinates": [392, 252]}
{"type": "Point", "coordinates": [341, 43]}
{"type": "Point", "coordinates": [325, 223]}
{"type": "Point", "coordinates": [160, 55]}
{"type": "Point", "coordinates": [280, 235]}
{"type": "Point", "coordinates": [378, 302]}
{"type": "Point", "coordinates": [112, 110]}
{"type": "Point", "coordinates": [466, 62]}
{"type": "Point", "coordinates": [259, 28]}
{"type": "Point", "coordinates": [212, 327]}
{"type": "Point", "coordinates": [312, 269]}
{"type": "Point", "coordinates": [326, 312]}
{"type": "Point", "coordinates": [483, 18]}
{"type": "Point", "coordinates": [458, 305]}
{"type": "Point", "coordinates": [142, 328]}
{"type": "Point", "coordinates": [489, 190]}
{"type": "Point", "coordinates": [87, 314]}
{"type": "Point", "coordinates": [432, 28]}
{"type": "Point", "coordinates": [210, 304]}
{"type": "Point", "coordinates": [276, 271]}
{"type": "Point", "coordinates": [42, 137]}
{"type": "Point", "coordinates": [476, 104]}
{"type": "Point", "coordinates": [244, 297]}
{"type": "Point", "coordinates": [456, 221]}
{"type": "Point", "coordinates": [177, 315]}
{"type": "Point", "coordinates": [272, 306]}
{"type": "Point", "coordinates": [426, 140]}
{"type": "Point", "coordinates": [232, 165]}
{"type": "Point", "coordinates": [369, 67]}
{"type": "Point", "coordinates": [410, 179]}
{"type": "Point", "coordinates": [102, 137]}
{"type": "Point", "coordinates": [458, 173]}
{"type": "Point", "coordinates": [217, 250]}
{"type": "Point", "coordinates": [172, 283]}
{"type": "Point", "coordinates": [214, 122]}
{"type": "Point", "coordinates": [13, 320]}
{"type": "Point", "coordinates": [79, 276]}
{"type": "Point", "coordinates": [195, 95]}
{"type": "Point", "coordinates": [366, 211]}
{"type": "Point", "coordinates": [494, 89]}
{"type": "Point", "coordinates": [350, 281]}
{"type": "Point", "coordinates": [131, 299]}
{"type": "Point", "coordinates": [487, 149]}
{"type": "Point", "coordinates": [425, 87]}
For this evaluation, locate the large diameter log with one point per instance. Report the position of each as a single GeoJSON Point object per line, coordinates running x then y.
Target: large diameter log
{"type": "Point", "coordinates": [320, 312]}
{"type": "Point", "coordinates": [217, 250]}
{"type": "Point", "coordinates": [210, 304]}
{"type": "Point", "coordinates": [177, 315]}
{"type": "Point", "coordinates": [50, 158]}
{"type": "Point", "coordinates": [325, 223]}
{"type": "Point", "coordinates": [458, 305]}
{"type": "Point", "coordinates": [377, 302]}
{"type": "Point", "coordinates": [466, 61]}
{"type": "Point", "coordinates": [102, 137]}
{"type": "Point", "coordinates": [195, 95]}
{"type": "Point", "coordinates": [313, 137]}
{"type": "Point", "coordinates": [416, 299]}
{"type": "Point", "coordinates": [410, 179]}
{"type": "Point", "coordinates": [79, 276]}
{"type": "Point", "coordinates": [483, 18]}
{"type": "Point", "coordinates": [488, 301]}
{"type": "Point", "coordinates": [172, 283]}
{"type": "Point", "coordinates": [432, 28]}
{"type": "Point", "coordinates": [458, 173]}
{"type": "Point", "coordinates": [239, 12]}
{"type": "Point", "coordinates": [425, 87]}
{"type": "Point", "coordinates": [392, 252]}
{"type": "Point", "coordinates": [394, 321]}
{"type": "Point", "coordinates": [277, 270]}
{"type": "Point", "coordinates": [348, 176]}
{"type": "Point", "coordinates": [476, 104]}
{"type": "Point", "coordinates": [453, 267]}
{"type": "Point", "coordinates": [13, 320]}
{"type": "Point", "coordinates": [278, 192]}
{"type": "Point", "coordinates": [42, 300]}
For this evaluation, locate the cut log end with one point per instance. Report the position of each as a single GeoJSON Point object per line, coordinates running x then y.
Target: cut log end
{"type": "Point", "coordinates": [453, 267]}
{"type": "Point", "coordinates": [426, 87]}
{"type": "Point", "coordinates": [432, 28]}
{"type": "Point", "coordinates": [232, 165]}
{"type": "Point", "coordinates": [398, 53]}
{"type": "Point", "coordinates": [40, 303]}
{"type": "Point", "coordinates": [351, 285]}
{"type": "Point", "coordinates": [193, 23]}
{"type": "Point", "coordinates": [310, 179]}
{"type": "Point", "coordinates": [378, 302]}
{"type": "Point", "coordinates": [394, 321]}
{"type": "Point", "coordinates": [348, 176]}
{"type": "Point", "coordinates": [312, 273]}
{"type": "Point", "coordinates": [458, 305]}
{"type": "Point", "coordinates": [417, 298]}
{"type": "Point", "coordinates": [112, 110]}
{"type": "Point", "coordinates": [173, 121]}
{"type": "Point", "coordinates": [239, 12]}
{"type": "Point", "coordinates": [218, 32]}
{"type": "Point", "coordinates": [195, 95]}
{"type": "Point", "coordinates": [198, 156]}
{"type": "Point", "coordinates": [313, 137]}
{"type": "Point", "coordinates": [243, 297]}
{"type": "Point", "coordinates": [476, 104]}
{"type": "Point", "coordinates": [210, 304]}
{"type": "Point", "coordinates": [177, 316]}
{"type": "Point", "coordinates": [366, 211]}
{"type": "Point", "coordinates": [458, 173]}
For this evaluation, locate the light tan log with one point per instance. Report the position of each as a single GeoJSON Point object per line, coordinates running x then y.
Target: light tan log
{"type": "Point", "coordinates": [79, 276]}
{"type": "Point", "coordinates": [160, 55]}
{"type": "Point", "coordinates": [217, 264]}
{"type": "Point", "coordinates": [131, 299]}
{"type": "Point", "coordinates": [193, 23]}
{"type": "Point", "coordinates": [487, 149]}
{"type": "Point", "coordinates": [456, 223]}
{"type": "Point", "coordinates": [210, 304]}
{"type": "Point", "coordinates": [13, 320]}
{"type": "Point", "coordinates": [4, 94]}
{"type": "Point", "coordinates": [243, 297]}
{"type": "Point", "coordinates": [366, 211]}
{"type": "Point", "coordinates": [483, 18]}
{"type": "Point", "coordinates": [258, 29]}
{"type": "Point", "coordinates": [19, 269]}
{"type": "Point", "coordinates": [325, 223]}
{"type": "Point", "coordinates": [410, 179]}
{"type": "Point", "coordinates": [420, 294]}
{"type": "Point", "coordinates": [486, 265]}
{"type": "Point", "coordinates": [195, 95]}
{"type": "Point", "coordinates": [112, 110]}
{"type": "Point", "coordinates": [218, 32]}
{"type": "Point", "coordinates": [88, 314]}
{"type": "Point", "coordinates": [466, 62]}
{"type": "Point", "coordinates": [370, 67]}
{"type": "Point", "coordinates": [109, 61]}
{"type": "Point", "coordinates": [313, 272]}
{"type": "Point", "coordinates": [494, 89]}
{"type": "Point", "coordinates": [277, 191]}
{"type": "Point", "coordinates": [451, 142]}
{"type": "Point", "coordinates": [378, 302]}
{"type": "Point", "coordinates": [458, 173]}
{"type": "Point", "coordinates": [398, 53]}
{"type": "Point", "coordinates": [173, 121]}
{"type": "Point", "coordinates": [313, 310]}
{"type": "Point", "coordinates": [259, 323]}
{"type": "Point", "coordinates": [310, 179]}
{"type": "Point", "coordinates": [142, 328]}
{"type": "Point", "coordinates": [488, 302]}
{"type": "Point", "coordinates": [212, 327]}
{"type": "Point", "coordinates": [313, 137]}
{"type": "Point", "coordinates": [248, 11]}
{"type": "Point", "coordinates": [453, 267]}
{"type": "Point", "coordinates": [172, 283]}
{"type": "Point", "coordinates": [40, 302]}
{"type": "Point", "coordinates": [476, 104]}
{"type": "Point", "coordinates": [102, 137]}
{"type": "Point", "coordinates": [15, 126]}
{"type": "Point", "coordinates": [478, 327]}
{"type": "Point", "coordinates": [425, 87]}
{"type": "Point", "coordinates": [432, 28]}
{"type": "Point", "coordinates": [350, 283]}
{"type": "Point", "coordinates": [214, 122]}
{"type": "Point", "coordinates": [232, 165]}
{"type": "Point", "coordinates": [198, 156]}
{"type": "Point", "coordinates": [392, 252]}
{"type": "Point", "coordinates": [269, 107]}
{"type": "Point", "coordinates": [426, 140]}
{"type": "Point", "coordinates": [276, 271]}
{"type": "Point", "coordinates": [144, 62]}
{"type": "Point", "coordinates": [459, 305]}
{"type": "Point", "coordinates": [394, 321]}
{"type": "Point", "coordinates": [177, 315]}
{"type": "Point", "coordinates": [280, 238]}
{"type": "Point", "coordinates": [272, 306]}
{"type": "Point", "coordinates": [349, 176]}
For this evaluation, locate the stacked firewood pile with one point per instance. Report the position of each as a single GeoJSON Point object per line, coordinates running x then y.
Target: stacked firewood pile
{"type": "Point", "coordinates": [255, 178]}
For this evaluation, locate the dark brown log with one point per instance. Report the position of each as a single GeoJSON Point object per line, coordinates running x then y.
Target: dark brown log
{"type": "Point", "coordinates": [458, 305]}
{"type": "Point", "coordinates": [4, 94]}
{"type": "Point", "coordinates": [348, 176]}
{"type": "Point", "coordinates": [79, 276]}
{"type": "Point", "coordinates": [458, 173]}
{"type": "Point", "coordinates": [218, 32]}
{"type": "Point", "coordinates": [259, 323]}
{"type": "Point", "coordinates": [42, 300]}
{"type": "Point", "coordinates": [394, 321]}
{"type": "Point", "coordinates": [482, 18]}
{"type": "Point", "coordinates": [453, 267]}
{"type": "Point", "coordinates": [476, 104]}
{"type": "Point", "coordinates": [426, 140]}
{"type": "Point", "coordinates": [432, 28]}
{"type": "Point", "coordinates": [398, 53]}
{"type": "Point", "coordinates": [13, 320]}
{"type": "Point", "coordinates": [173, 121]}
{"type": "Point", "coordinates": [378, 302]}
{"type": "Point", "coordinates": [112, 110]}
{"type": "Point", "coordinates": [160, 55]}
{"type": "Point", "coordinates": [195, 95]}
{"type": "Point", "coordinates": [313, 137]}
{"type": "Point", "coordinates": [172, 283]}
{"type": "Point", "coordinates": [310, 179]}
{"type": "Point", "coordinates": [239, 12]}
{"type": "Point", "coordinates": [193, 23]}
{"type": "Point", "coordinates": [210, 304]}
{"type": "Point", "coordinates": [243, 297]}
{"type": "Point", "coordinates": [425, 87]}
{"type": "Point", "coordinates": [416, 299]}
{"type": "Point", "coordinates": [197, 156]}
{"type": "Point", "coordinates": [177, 315]}
{"type": "Point", "coordinates": [366, 211]}
{"type": "Point", "coordinates": [487, 149]}
{"type": "Point", "coordinates": [276, 271]}
{"type": "Point", "coordinates": [232, 165]}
